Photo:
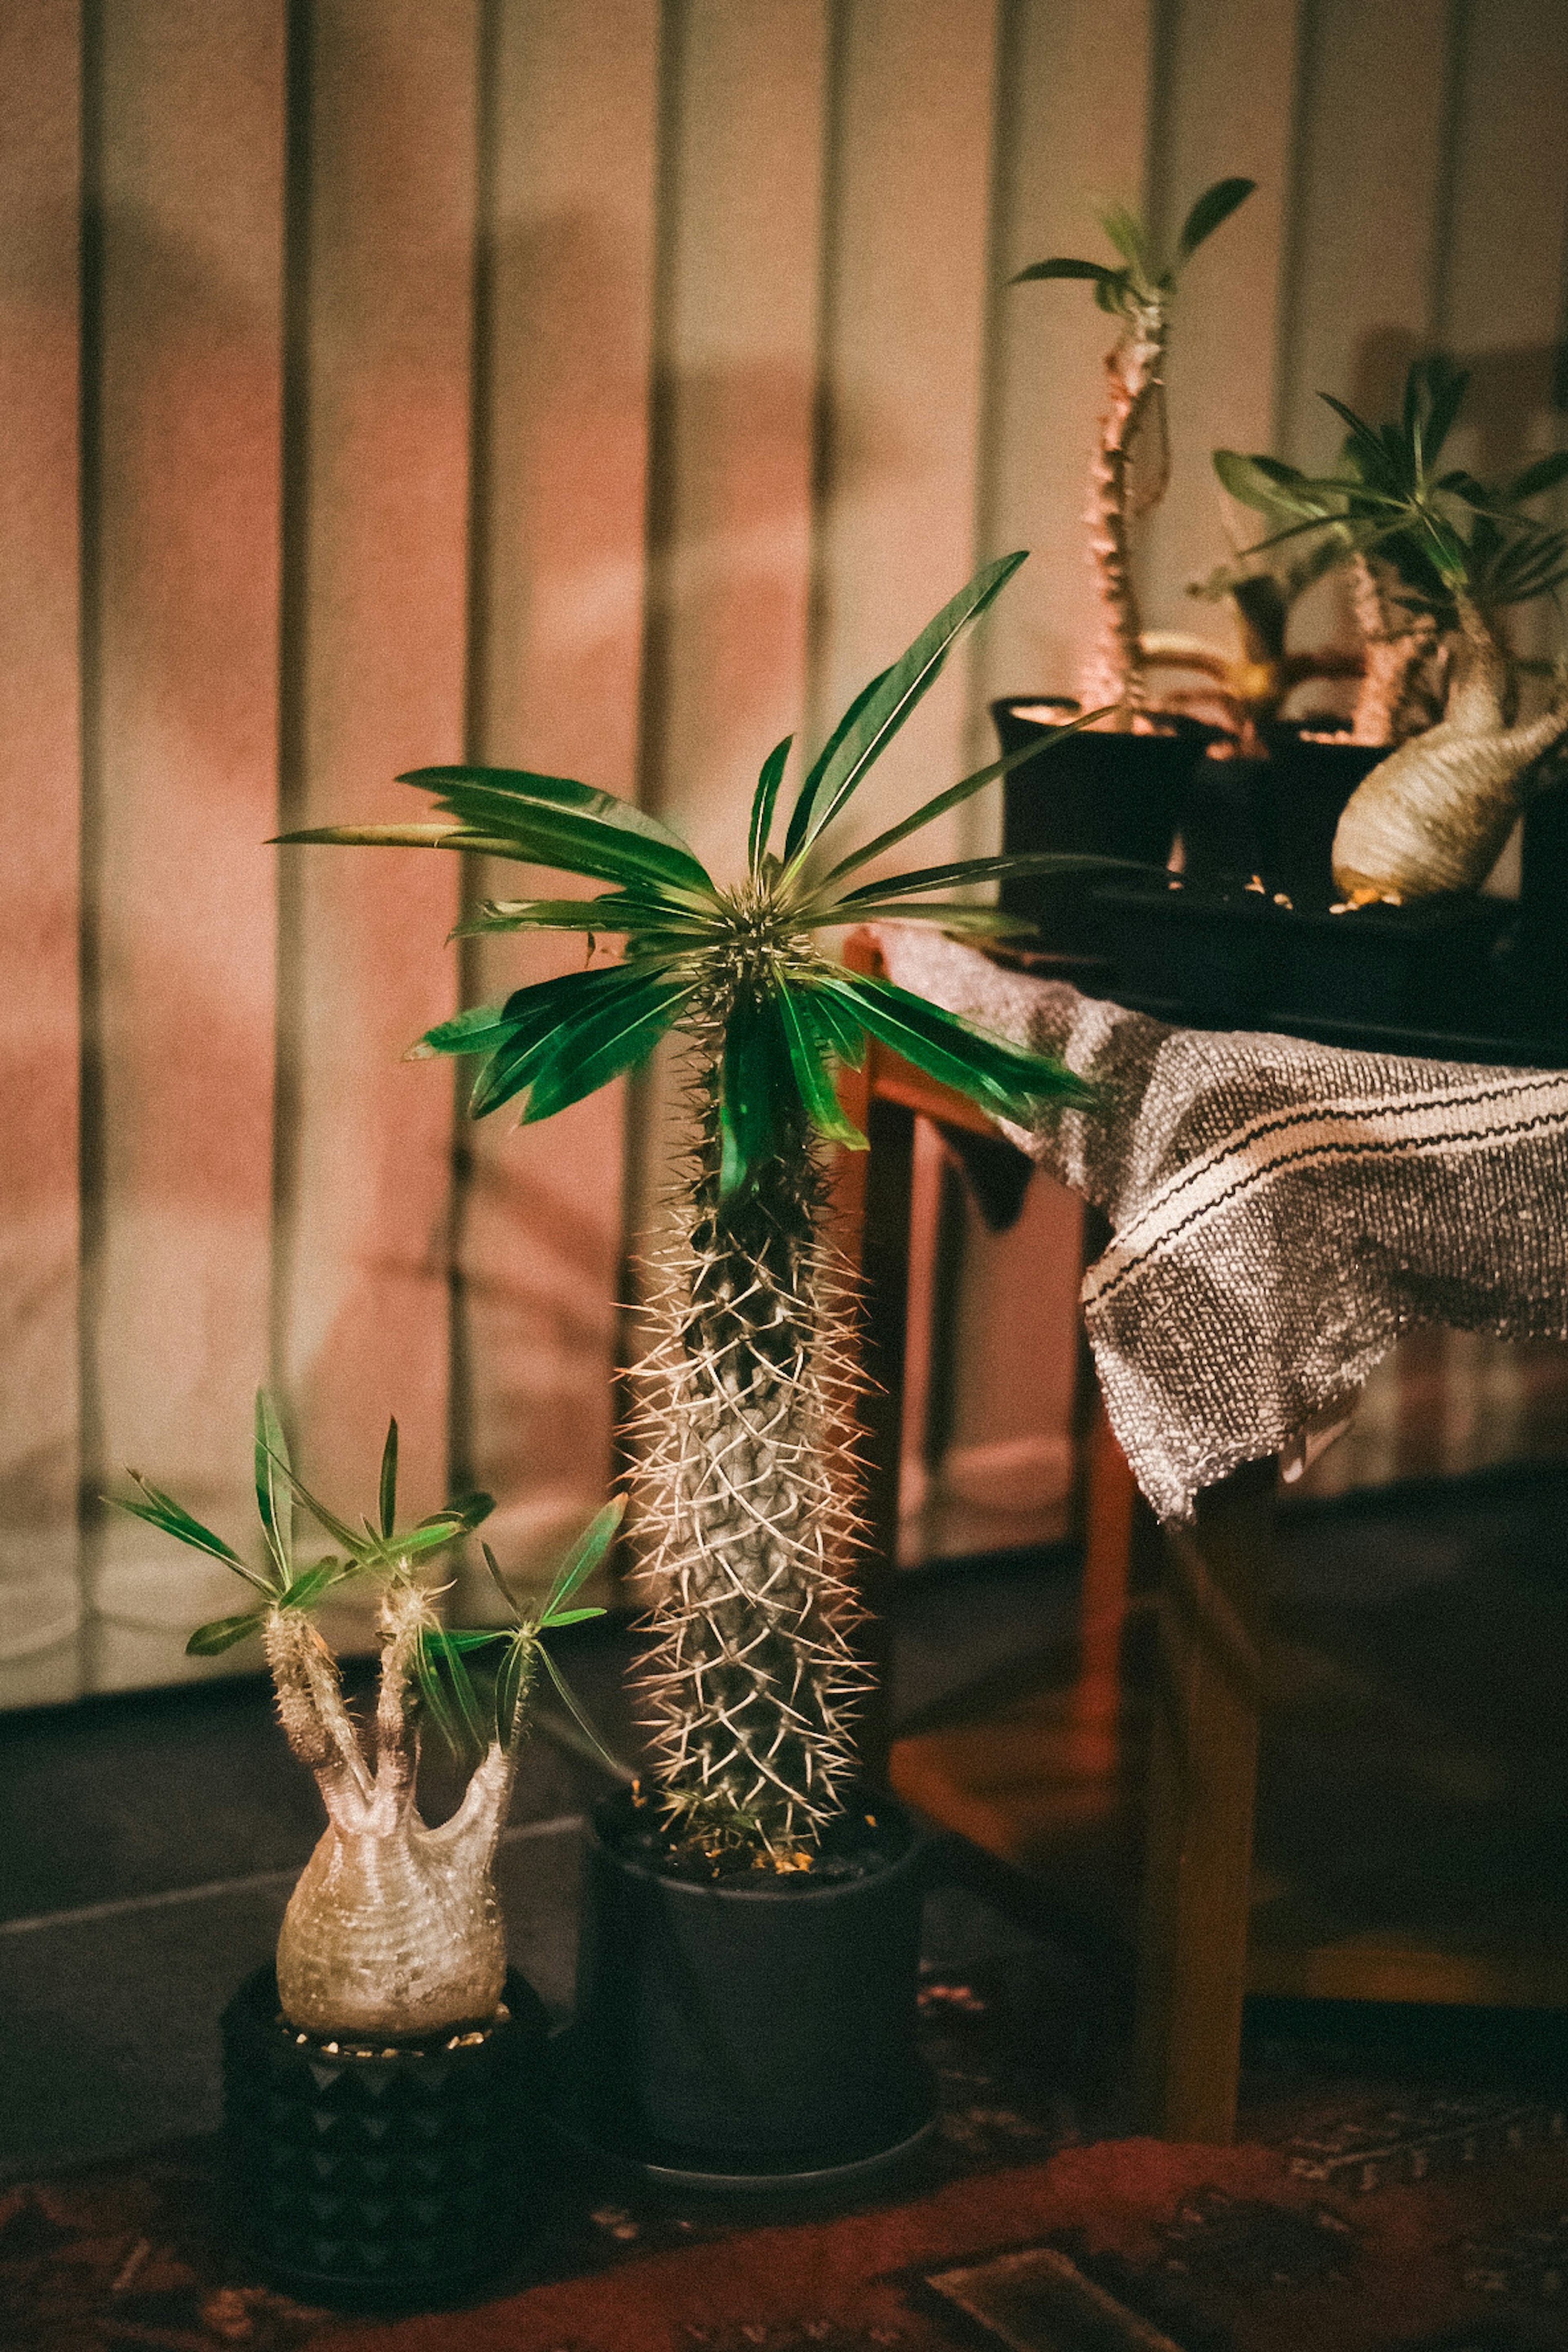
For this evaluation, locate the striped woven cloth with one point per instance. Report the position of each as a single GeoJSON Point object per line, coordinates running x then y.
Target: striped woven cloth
{"type": "Point", "coordinates": [1281, 1212]}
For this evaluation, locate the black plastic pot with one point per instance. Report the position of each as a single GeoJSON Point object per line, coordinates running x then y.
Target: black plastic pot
{"type": "Point", "coordinates": [1300, 797]}
{"type": "Point", "coordinates": [1103, 794]}
{"type": "Point", "coordinates": [746, 2029]}
{"type": "Point", "coordinates": [380, 2179]}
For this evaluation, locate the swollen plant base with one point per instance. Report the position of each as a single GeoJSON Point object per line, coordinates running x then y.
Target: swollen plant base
{"type": "Point", "coordinates": [380, 2178]}
{"type": "Point", "coordinates": [755, 2032]}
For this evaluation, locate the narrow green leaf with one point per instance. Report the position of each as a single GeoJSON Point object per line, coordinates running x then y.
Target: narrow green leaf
{"type": "Point", "coordinates": [511, 1686]}
{"type": "Point", "coordinates": [839, 1031]}
{"type": "Point", "coordinates": [1543, 475]}
{"type": "Point", "coordinates": [817, 1092]}
{"type": "Point", "coordinates": [581, 1559]}
{"type": "Point", "coordinates": [884, 711]}
{"type": "Point", "coordinates": [499, 1581]}
{"type": "Point", "coordinates": [371, 836]}
{"type": "Point", "coordinates": [541, 1018]}
{"type": "Point", "coordinates": [1060, 268]}
{"type": "Point", "coordinates": [346, 1538]}
{"type": "Point", "coordinates": [568, 1617]}
{"type": "Point", "coordinates": [1125, 231]}
{"type": "Point", "coordinates": [161, 1510]}
{"type": "Point", "coordinates": [805, 798]}
{"type": "Point", "coordinates": [616, 913]}
{"type": "Point", "coordinates": [955, 795]}
{"type": "Point", "coordinates": [470, 1509]}
{"type": "Point", "coordinates": [311, 1584]}
{"type": "Point", "coordinates": [389, 1479]}
{"type": "Point", "coordinates": [1212, 207]}
{"type": "Point", "coordinates": [999, 1077]}
{"type": "Point", "coordinates": [578, 828]}
{"type": "Point", "coordinates": [479, 1030]}
{"type": "Point", "coordinates": [428, 1680]}
{"type": "Point", "coordinates": [596, 1050]}
{"type": "Point", "coordinates": [1363, 439]}
{"type": "Point", "coordinates": [222, 1633]}
{"type": "Point", "coordinates": [274, 1501]}
{"type": "Point", "coordinates": [764, 801]}
{"type": "Point", "coordinates": [952, 915]}
{"type": "Point", "coordinates": [1447, 386]}
{"type": "Point", "coordinates": [965, 870]}
{"type": "Point", "coordinates": [756, 1086]}
{"type": "Point", "coordinates": [527, 790]}
{"type": "Point", "coordinates": [570, 1703]}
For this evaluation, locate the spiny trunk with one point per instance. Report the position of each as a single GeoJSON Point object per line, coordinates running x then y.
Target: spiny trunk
{"type": "Point", "coordinates": [747, 1487]}
{"type": "Point", "coordinates": [1433, 816]}
{"type": "Point", "coordinates": [1389, 704]}
{"type": "Point", "coordinates": [1114, 672]}
{"type": "Point", "coordinates": [394, 1931]}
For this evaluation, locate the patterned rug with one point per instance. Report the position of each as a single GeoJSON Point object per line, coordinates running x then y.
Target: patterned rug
{"type": "Point", "coordinates": [1359, 2213]}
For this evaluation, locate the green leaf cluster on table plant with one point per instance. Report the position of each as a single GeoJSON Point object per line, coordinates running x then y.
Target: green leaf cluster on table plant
{"type": "Point", "coordinates": [747, 1483]}
{"type": "Point", "coordinates": [1448, 536]}
{"type": "Point", "coordinates": [1451, 554]}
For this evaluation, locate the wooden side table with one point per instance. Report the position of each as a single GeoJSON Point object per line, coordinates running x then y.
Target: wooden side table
{"type": "Point", "coordinates": [1215, 1579]}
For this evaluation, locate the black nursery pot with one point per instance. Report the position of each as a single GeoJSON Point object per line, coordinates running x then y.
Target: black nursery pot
{"type": "Point", "coordinates": [1301, 792]}
{"type": "Point", "coordinates": [750, 2028]}
{"type": "Point", "coordinates": [1106, 794]}
{"type": "Point", "coordinates": [380, 2179]}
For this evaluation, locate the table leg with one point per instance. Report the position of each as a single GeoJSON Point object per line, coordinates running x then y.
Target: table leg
{"type": "Point", "coordinates": [1203, 1770]}
{"type": "Point", "coordinates": [886, 1176]}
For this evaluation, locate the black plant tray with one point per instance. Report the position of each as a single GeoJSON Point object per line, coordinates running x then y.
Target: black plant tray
{"type": "Point", "coordinates": [1461, 979]}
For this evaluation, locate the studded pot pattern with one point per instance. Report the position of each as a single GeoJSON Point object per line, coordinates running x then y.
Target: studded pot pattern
{"type": "Point", "coordinates": [379, 2175]}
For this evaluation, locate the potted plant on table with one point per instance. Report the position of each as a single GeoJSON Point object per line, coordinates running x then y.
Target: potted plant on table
{"type": "Point", "coordinates": [1120, 788]}
{"type": "Point", "coordinates": [746, 1995]}
{"type": "Point", "coordinates": [1448, 556]}
{"type": "Point", "coordinates": [378, 2080]}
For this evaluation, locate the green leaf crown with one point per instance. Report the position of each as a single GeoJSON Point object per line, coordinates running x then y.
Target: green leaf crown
{"type": "Point", "coordinates": [737, 966]}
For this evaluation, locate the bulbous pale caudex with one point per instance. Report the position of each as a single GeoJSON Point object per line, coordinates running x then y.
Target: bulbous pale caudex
{"type": "Point", "coordinates": [1436, 557]}
{"type": "Point", "coordinates": [1433, 816]}
{"type": "Point", "coordinates": [394, 1932]}
{"type": "Point", "coordinates": [747, 1482]}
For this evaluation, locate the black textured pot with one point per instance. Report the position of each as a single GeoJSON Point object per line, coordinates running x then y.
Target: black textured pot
{"type": "Point", "coordinates": [1301, 796]}
{"type": "Point", "coordinates": [1103, 794]}
{"type": "Point", "coordinates": [380, 2179]}
{"type": "Point", "coordinates": [747, 2030]}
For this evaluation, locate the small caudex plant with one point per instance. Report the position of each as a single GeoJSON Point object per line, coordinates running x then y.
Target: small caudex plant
{"type": "Point", "coordinates": [1247, 687]}
{"type": "Point", "coordinates": [747, 1483]}
{"type": "Point", "coordinates": [394, 1932]}
{"type": "Point", "coordinates": [1451, 555]}
{"type": "Point", "coordinates": [1139, 295]}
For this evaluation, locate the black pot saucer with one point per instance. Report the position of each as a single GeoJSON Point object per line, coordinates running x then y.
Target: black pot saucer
{"type": "Point", "coordinates": [613, 2143]}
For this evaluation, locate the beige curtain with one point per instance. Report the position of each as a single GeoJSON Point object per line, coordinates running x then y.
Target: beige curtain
{"type": "Point", "coordinates": [598, 385]}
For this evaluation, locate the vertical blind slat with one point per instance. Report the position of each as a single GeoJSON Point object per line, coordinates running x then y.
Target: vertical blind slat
{"type": "Point", "coordinates": [907, 258]}
{"type": "Point", "coordinates": [1232, 66]}
{"type": "Point", "coordinates": [1074, 126]}
{"type": "Point", "coordinates": [569, 247]}
{"type": "Point", "coordinates": [187, 595]}
{"type": "Point", "coordinates": [39, 756]}
{"type": "Point", "coordinates": [388, 249]}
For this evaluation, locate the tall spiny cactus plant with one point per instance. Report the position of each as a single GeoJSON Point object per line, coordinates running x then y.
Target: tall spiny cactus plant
{"type": "Point", "coordinates": [747, 1479]}
{"type": "Point", "coordinates": [1432, 817]}
{"type": "Point", "coordinates": [393, 1930]}
{"type": "Point", "coordinates": [1140, 294]}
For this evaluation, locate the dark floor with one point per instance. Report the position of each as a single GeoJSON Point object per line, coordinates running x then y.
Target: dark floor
{"type": "Point", "coordinates": [149, 1842]}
